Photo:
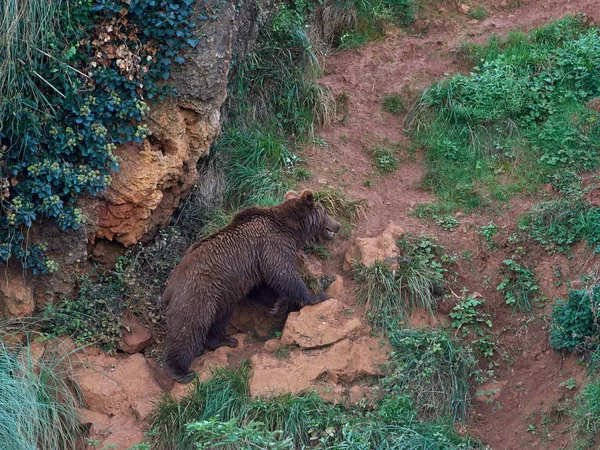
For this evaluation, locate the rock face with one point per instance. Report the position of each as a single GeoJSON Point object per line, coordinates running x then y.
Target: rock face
{"type": "Point", "coordinates": [119, 394]}
{"type": "Point", "coordinates": [369, 250]}
{"type": "Point", "coordinates": [332, 349]}
{"type": "Point", "coordinates": [16, 297]}
{"type": "Point", "coordinates": [157, 173]}
{"type": "Point", "coordinates": [20, 292]}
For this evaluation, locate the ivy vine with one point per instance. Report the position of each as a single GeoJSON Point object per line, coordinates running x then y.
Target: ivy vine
{"type": "Point", "coordinates": [102, 60]}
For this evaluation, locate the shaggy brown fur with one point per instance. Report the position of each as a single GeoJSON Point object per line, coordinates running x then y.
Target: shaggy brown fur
{"type": "Point", "coordinates": [258, 247]}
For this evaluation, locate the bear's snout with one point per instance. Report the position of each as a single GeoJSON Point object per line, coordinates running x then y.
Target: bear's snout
{"type": "Point", "coordinates": [331, 227]}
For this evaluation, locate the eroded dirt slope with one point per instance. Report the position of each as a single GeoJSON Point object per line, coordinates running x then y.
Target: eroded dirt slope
{"type": "Point", "coordinates": [523, 401]}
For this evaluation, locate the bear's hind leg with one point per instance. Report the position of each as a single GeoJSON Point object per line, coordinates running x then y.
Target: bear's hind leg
{"type": "Point", "coordinates": [216, 336]}
{"type": "Point", "coordinates": [183, 345]}
{"type": "Point", "coordinates": [177, 363]}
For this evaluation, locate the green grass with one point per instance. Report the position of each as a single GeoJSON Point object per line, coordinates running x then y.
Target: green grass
{"type": "Point", "coordinates": [220, 414]}
{"type": "Point", "coordinates": [433, 369]}
{"type": "Point", "coordinates": [39, 406]}
{"type": "Point", "coordinates": [478, 13]}
{"type": "Point", "coordinates": [519, 118]}
{"type": "Point", "coordinates": [392, 289]}
{"type": "Point", "coordinates": [338, 205]}
{"type": "Point", "coordinates": [369, 19]}
{"type": "Point", "coordinates": [25, 33]}
{"type": "Point", "coordinates": [394, 104]}
{"type": "Point", "coordinates": [384, 157]}
{"type": "Point", "coordinates": [559, 223]}
{"type": "Point", "coordinates": [273, 106]}
{"type": "Point", "coordinates": [585, 414]}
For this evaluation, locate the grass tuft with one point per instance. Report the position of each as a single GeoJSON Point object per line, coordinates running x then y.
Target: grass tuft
{"type": "Point", "coordinates": [393, 288]}
{"type": "Point", "coordinates": [338, 205]}
{"type": "Point", "coordinates": [39, 405]}
{"type": "Point", "coordinates": [434, 370]}
{"type": "Point", "coordinates": [394, 104]}
{"type": "Point", "coordinates": [307, 421]}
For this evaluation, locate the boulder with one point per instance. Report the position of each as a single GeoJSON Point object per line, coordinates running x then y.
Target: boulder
{"type": "Point", "coordinates": [369, 250]}
{"type": "Point", "coordinates": [345, 361]}
{"type": "Point", "coordinates": [335, 289]}
{"type": "Point", "coordinates": [319, 325]}
{"type": "Point", "coordinates": [135, 337]}
{"type": "Point", "coordinates": [119, 394]}
{"type": "Point", "coordinates": [309, 264]}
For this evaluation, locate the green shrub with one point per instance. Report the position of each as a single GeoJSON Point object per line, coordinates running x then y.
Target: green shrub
{"type": "Point", "coordinates": [433, 369]}
{"type": "Point", "coordinates": [66, 104]}
{"type": "Point", "coordinates": [93, 314]}
{"type": "Point", "coordinates": [519, 286]}
{"type": "Point", "coordinates": [575, 321]}
{"type": "Point", "coordinates": [518, 118]}
{"type": "Point", "coordinates": [39, 405]}
{"type": "Point", "coordinates": [93, 317]}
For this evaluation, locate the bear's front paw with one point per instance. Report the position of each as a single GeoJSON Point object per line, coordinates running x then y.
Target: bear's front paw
{"type": "Point", "coordinates": [318, 299]}
{"type": "Point", "coordinates": [230, 342]}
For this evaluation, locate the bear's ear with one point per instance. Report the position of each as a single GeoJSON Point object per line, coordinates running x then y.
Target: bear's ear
{"type": "Point", "coordinates": [289, 195]}
{"type": "Point", "coordinates": [308, 197]}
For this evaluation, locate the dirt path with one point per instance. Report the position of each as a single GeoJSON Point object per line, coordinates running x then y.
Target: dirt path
{"type": "Point", "coordinates": [523, 404]}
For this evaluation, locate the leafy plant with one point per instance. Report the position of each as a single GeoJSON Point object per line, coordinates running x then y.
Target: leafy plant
{"type": "Point", "coordinates": [383, 156]}
{"type": "Point", "coordinates": [575, 321]}
{"type": "Point", "coordinates": [518, 286]}
{"type": "Point", "coordinates": [448, 223]}
{"type": "Point", "coordinates": [471, 321]}
{"type": "Point", "coordinates": [488, 232]}
{"type": "Point", "coordinates": [67, 103]}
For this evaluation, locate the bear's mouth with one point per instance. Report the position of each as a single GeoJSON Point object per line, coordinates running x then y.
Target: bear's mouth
{"type": "Point", "coordinates": [330, 234]}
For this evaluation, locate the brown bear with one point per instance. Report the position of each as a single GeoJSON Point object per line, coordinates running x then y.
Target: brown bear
{"type": "Point", "coordinates": [258, 248]}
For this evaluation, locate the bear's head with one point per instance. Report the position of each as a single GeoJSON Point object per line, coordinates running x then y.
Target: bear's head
{"type": "Point", "coordinates": [312, 218]}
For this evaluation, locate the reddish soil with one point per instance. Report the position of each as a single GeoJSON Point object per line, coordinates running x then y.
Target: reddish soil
{"type": "Point", "coordinates": [523, 405]}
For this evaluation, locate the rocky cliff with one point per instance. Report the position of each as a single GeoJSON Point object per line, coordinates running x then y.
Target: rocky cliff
{"type": "Point", "coordinates": [156, 174]}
